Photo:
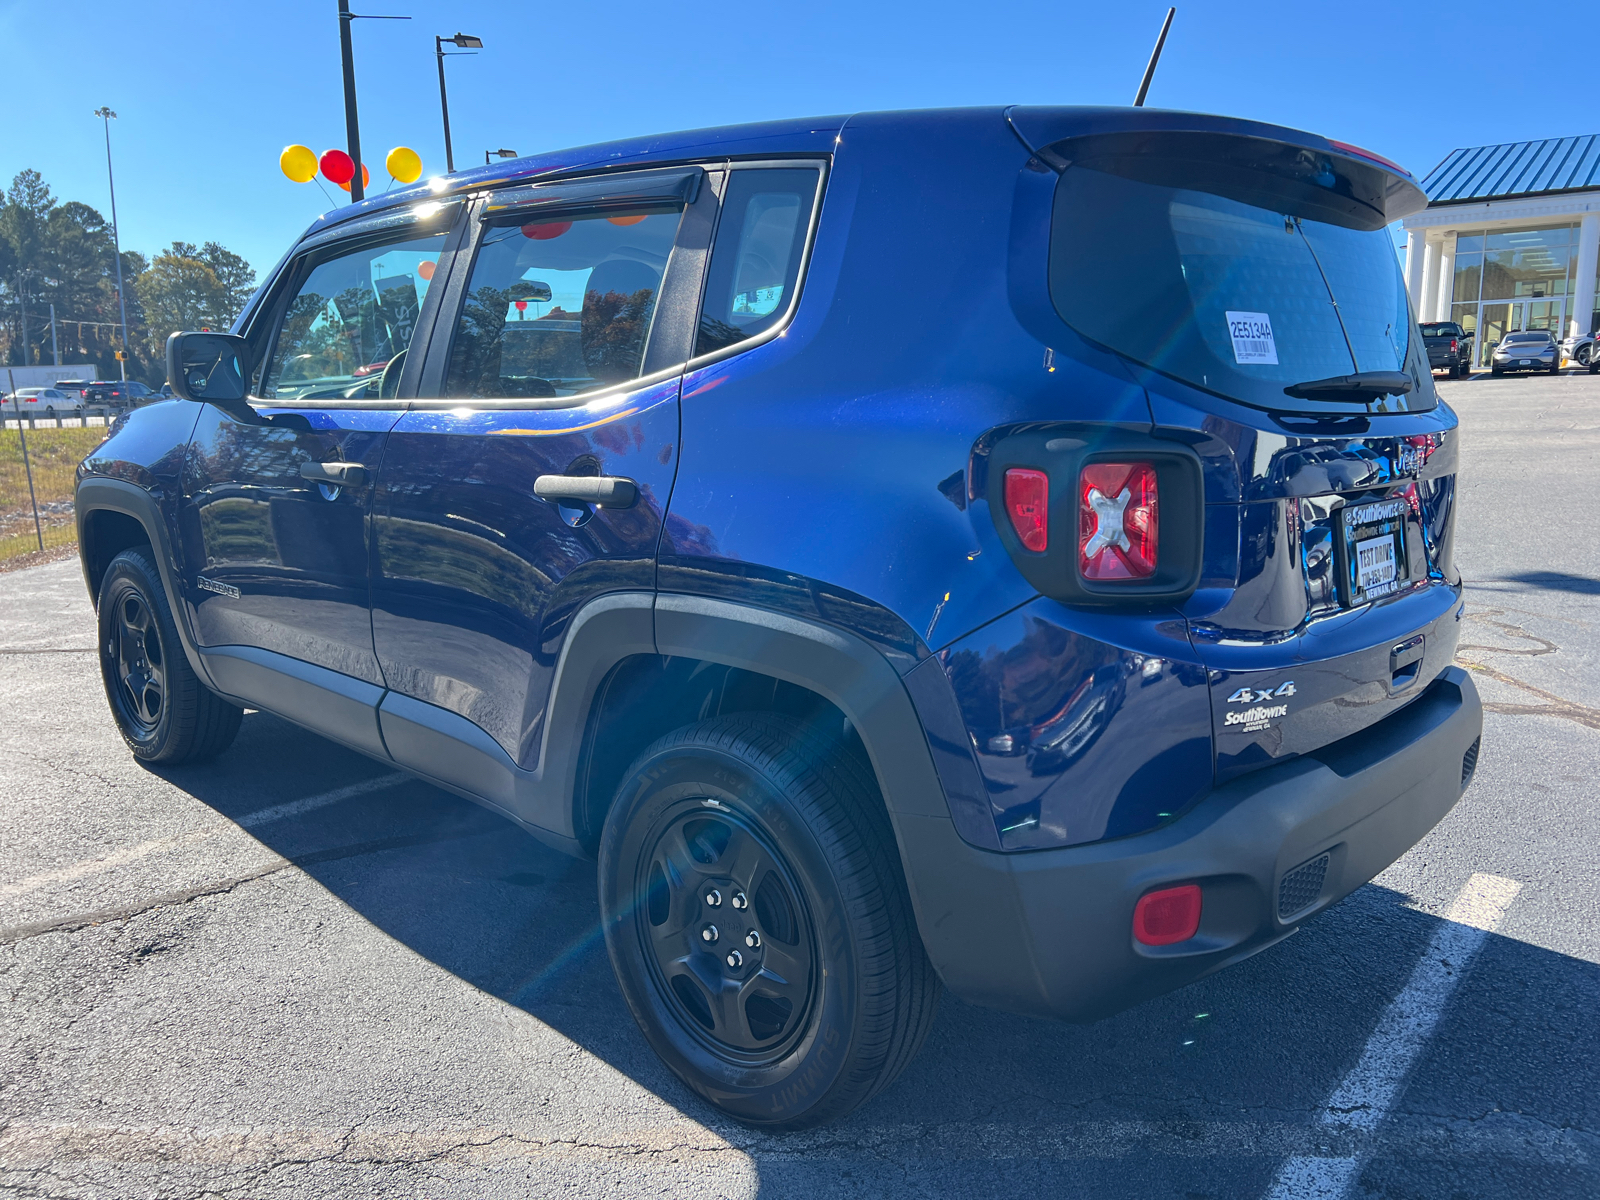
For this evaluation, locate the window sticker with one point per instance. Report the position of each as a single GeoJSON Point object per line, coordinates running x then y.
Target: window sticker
{"type": "Point", "coordinates": [759, 302]}
{"type": "Point", "coordinates": [1252, 339]}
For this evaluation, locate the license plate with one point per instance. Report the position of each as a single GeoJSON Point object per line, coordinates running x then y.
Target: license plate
{"type": "Point", "coordinates": [1374, 545]}
{"type": "Point", "coordinates": [1524, 362]}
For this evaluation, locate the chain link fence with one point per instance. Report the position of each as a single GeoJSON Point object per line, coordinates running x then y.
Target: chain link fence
{"type": "Point", "coordinates": [37, 470]}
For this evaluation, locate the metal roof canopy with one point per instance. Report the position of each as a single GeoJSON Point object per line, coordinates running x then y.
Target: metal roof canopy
{"type": "Point", "coordinates": [1516, 169]}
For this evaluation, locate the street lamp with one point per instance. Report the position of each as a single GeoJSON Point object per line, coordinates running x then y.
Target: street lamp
{"type": "Point", "coordinates": [352, 125]}
{"type": "Point", "coordinates": [107, 116]}
{"type": "Point", "coordinates": [463, 41]}
{"type": "Point", "coordinates": [493, 154]}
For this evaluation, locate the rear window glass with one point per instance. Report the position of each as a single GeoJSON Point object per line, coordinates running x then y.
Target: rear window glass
{"type": "Point", "coordinates": [558, 307]}
{"type": "Point", "coordinates": [1440, 329]}
{"type": "Point", "coordinates": [1236, 290]}
{"type": "Point", "coordinates": [755, 261]}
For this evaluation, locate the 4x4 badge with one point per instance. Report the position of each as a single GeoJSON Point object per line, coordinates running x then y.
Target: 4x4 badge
{"type": "Point", "coordinates": [1256, 695]}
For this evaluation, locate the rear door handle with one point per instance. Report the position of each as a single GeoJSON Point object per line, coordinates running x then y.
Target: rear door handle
{"type": "Point", "coordinates": [606, 491]}
{"type": "Point", "coordinates": [339, 474]}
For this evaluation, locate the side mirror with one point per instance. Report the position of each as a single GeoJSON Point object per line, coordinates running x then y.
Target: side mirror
{"type": "Point", "coordinates": [210, 367]}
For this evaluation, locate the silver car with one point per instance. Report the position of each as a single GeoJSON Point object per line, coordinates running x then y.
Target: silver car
{"type": "Point", "coordinates": [1579, 350]}
{"type": "Point", "coordinates": [1527, 350]}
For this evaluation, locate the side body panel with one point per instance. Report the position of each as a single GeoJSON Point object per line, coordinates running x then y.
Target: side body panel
{"type": "Point", "coordinates": [475, 577]}
{"type": "Point", "coordinates": [274, 560]}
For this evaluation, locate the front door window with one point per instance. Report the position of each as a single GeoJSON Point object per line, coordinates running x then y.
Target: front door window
{"type": "Point", "coordinates": [350, 322]}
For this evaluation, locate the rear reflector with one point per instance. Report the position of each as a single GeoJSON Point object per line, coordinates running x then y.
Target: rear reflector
{"type": "Point", "coordinates": [1117, 521]}
{"type": "Point", "coordinates": [1028, 504]}
{"type": "Point", "coordinates": [1168, 916]}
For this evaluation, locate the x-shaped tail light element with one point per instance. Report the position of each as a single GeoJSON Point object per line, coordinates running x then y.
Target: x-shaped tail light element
{"type": "Point", "coordinates": [1108, 530]}
{"type": "Point", "coordinates": [1117, 521]}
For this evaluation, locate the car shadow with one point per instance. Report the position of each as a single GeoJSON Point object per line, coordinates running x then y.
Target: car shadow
{"type": "Point", "coordinates": [1195, 1095]}
{"type": "Point", "coordinates": [1556, 581]}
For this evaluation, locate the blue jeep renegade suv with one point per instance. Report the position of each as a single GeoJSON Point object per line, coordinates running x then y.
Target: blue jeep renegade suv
{"type": "Point", "coordinates": [1000, 549]}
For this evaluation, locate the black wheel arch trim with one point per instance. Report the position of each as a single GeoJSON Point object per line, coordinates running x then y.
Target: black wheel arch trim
{"type": "Point", "coordinates": [99, 494]}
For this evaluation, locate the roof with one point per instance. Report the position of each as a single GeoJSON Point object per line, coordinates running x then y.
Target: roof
{"type": "Point", "coordinates": [1568, 164]}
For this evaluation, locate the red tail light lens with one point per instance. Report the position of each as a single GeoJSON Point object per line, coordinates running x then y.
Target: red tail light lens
{"type": "Point", "coordinates": [1117, 521]}
{"type": "Point", "coordinates": [1452, 345]}
{"type": "Point", "coordinates": [1168, 916]}
{"type": "Point", "coordinates": [1028, 504]}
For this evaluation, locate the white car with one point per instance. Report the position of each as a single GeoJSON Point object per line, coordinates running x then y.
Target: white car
{"type": "Point", "coordinates": [42, 402]}
{"type": "Point", "coordinates": [1579, 350]}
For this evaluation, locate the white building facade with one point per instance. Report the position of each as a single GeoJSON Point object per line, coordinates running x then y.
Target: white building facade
{"type": "Point", "coordinates": [1510, 240]}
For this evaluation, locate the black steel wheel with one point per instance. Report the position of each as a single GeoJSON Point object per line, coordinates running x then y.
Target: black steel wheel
{"type": "Point", "coordinates": [758, 922]}
{"type": "Point", "coordinates": [163, 711]}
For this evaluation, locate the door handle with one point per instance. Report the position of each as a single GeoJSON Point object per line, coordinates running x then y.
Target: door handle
{"type": "Point", "coordinates": [339, 474]}
{"type": "Point", "coordinates": [605, 491]}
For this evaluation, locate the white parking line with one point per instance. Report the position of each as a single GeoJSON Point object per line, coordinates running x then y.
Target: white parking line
{"type": "Point", "coordinates": [296, 807]}
{"type": "Point", "coordinates": [265, 816]}
{"type": "Point", "coordinates": [1365, 1096]}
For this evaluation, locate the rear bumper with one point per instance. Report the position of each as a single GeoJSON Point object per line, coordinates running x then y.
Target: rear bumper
{"type": "Point", "coordinates": [1049, 932]}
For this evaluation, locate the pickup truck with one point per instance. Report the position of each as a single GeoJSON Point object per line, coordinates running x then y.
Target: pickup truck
{"type": "Point", "coordinates": [1449, 347]}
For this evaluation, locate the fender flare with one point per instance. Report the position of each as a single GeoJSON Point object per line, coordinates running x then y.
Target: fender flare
{"type": "Point", "coordinates": [99, 494]}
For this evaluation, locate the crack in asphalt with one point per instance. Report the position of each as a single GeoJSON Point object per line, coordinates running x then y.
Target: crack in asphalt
{"type": "Point", "coordinates": [1554, 706]}
{"type": "Point", "coordinates": [27, 1147]}
{"type": "Point", "coordinates": [78, 921]}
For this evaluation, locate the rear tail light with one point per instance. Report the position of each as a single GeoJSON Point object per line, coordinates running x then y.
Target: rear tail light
{"type": "Point", "coordinates": [1168, 916]}
{"type": "Point", "coordinates": [1452, 345]}
{"type": "Point", "coordinates": [1118, 522]}
{"type": "Point", "coordinates": [1028, 505]}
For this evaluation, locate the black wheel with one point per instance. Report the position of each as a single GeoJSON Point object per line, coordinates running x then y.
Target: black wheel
{"type": "Point", "coordinates": [758, 921]}
{"type": "Point", "coordinates": [163, 711]}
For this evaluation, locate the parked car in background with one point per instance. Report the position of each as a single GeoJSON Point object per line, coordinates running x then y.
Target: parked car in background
{"type": "Point", "coordinates": [73, 387]}
{"type": "Point", "coordinates": [648, 536]}
{"type": "Point", "coordinates": [42, 402]}
{"type": "Point", "coordinates": [119, 396]}
{"type": "Point", "coordinates": [1526, 350]}
{"type": "Point", "coordinates": [1579, 350]}
{"type": "Point", "coordinates": [1449, 348]}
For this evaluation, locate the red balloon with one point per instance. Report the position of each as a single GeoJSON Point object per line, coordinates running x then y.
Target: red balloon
{"type": "Point", "coordinates": [522, 305]}
{"type": "Point", "coordinates": [543, 233]}
{"type": "Point", "coordinates": [337, 166]}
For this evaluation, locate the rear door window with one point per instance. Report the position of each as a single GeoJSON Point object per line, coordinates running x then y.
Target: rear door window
{"type": "Point", "coordinates": [756, 258]}
{"type": "Point", "coordinates": [558, 307]}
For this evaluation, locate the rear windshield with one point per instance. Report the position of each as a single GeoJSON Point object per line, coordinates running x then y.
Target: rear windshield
{"type": "Point", "coordinates": [1242, 282]}
{"type": "Point", "coordinates": [1440, 329]}
{"type": "Point", "coordinates": [1529, 337]}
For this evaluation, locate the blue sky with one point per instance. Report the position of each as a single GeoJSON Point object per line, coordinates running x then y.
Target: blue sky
{"type": "Point", "coordinates": [208, 93]}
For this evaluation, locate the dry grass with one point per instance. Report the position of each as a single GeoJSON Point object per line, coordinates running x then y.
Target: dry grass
{"type": "Point", "coordinates": [54, 455]}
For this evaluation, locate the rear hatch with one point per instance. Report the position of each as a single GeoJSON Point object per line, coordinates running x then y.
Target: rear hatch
{"type": "Point", "coordinates": [1253, 287]}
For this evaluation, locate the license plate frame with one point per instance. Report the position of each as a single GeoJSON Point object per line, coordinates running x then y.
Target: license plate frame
{"type": "Point", "coordinates": [1359, 526]}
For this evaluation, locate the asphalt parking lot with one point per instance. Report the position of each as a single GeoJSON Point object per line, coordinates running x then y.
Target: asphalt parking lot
{"type": "Point", "coordinates": [292, 973]}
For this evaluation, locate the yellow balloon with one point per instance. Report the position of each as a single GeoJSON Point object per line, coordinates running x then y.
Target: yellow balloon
{"type": "Point", "coordinates": [404, 164]}
{"type": "Point", "coordinates": [299, 163]}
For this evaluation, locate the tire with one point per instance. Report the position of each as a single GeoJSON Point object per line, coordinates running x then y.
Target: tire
{"type": "Point", "coordinates": [163, 711]}
{"type": "Point", "coordinates": [1555, 367]}
{"type": "Point", "coordinates": [1582, 355]}
{"type": "Point", "coordinates": [1461, 370]}
{"type": "Point", "coordinates": [754, 827]}
{"type": "Point", "coordinates": [1496, 372]}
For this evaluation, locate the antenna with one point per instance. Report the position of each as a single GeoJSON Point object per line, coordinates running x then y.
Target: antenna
{"type": "Point", "coordinates": [1155, 57]}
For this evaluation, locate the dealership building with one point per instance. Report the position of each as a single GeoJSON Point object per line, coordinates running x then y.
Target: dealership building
{"type": "Point", "coordinates": [1510, 240]}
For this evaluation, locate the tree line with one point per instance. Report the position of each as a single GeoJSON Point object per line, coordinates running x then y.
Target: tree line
{"type": "Point", "coordinates": [62, 253]}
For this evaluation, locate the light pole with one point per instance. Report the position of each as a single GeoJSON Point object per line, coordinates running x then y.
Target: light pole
{"type": "Point", "coordinates": [106, 115]}
{"type": "Point", "coordinates": [22, 302]}
{"type": "Point", "coordinates": [489, 155]}
{"type": "Point", "coordinates": [352, 126]}
{"type": "Point", "coordinates": [464, 41]}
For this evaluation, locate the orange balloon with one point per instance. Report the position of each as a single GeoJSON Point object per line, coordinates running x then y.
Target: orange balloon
{"type": "Point", "coordinates": [626, 220]}
{"type": "Point", "coordinates": [426, 270]}
{"type": "Point", "coordinates": [366, 179]}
